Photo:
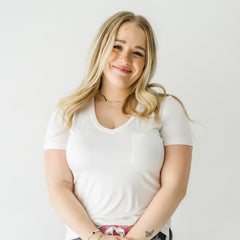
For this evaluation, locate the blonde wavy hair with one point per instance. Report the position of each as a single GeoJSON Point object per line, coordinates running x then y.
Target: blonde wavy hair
{"type": "Point", "coordinates": [141, 90]}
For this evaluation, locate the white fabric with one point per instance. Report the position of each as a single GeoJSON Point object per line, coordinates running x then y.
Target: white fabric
{"type": "Point", "coordinates": [117, 171]}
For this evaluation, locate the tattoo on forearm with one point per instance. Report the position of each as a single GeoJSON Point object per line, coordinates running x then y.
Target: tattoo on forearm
{"type": "Point", "coordinates": [149, 234]}
{"type": "Point", "coordinates": [66, 181]}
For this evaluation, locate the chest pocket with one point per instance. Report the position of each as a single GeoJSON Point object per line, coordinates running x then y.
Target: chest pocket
{"type": "Point", "coordinates": [147, 148]}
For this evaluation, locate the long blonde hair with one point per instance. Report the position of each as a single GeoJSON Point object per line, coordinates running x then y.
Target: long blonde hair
{"type": "Point", "coordinates": [141, 90]}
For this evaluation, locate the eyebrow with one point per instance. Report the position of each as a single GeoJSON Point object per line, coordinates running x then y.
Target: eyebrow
{"type": "Point", "coordinates": [118, 40]}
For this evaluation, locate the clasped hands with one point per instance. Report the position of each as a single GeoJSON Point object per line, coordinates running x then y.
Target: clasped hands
{"type": "Point", "coordinates": [102, 236]}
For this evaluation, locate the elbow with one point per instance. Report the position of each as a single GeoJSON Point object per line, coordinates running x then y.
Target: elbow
{"type": "Point", "coordinates": [55, 193]}
{"type": "Point", "coordinates": [181, 191]}
{"type": "Point", "coordinates": [177, 191]}
{"type": "Point", "coordinates": [183, 194]}
{"type": "Point", "coordinates": [52, 195]}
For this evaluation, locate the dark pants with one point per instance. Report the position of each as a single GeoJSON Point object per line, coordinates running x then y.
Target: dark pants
{"type": "Point", "coordinates": [159, 236]}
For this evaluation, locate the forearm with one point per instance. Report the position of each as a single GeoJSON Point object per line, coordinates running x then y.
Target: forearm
{"type": "Point", "coordinates": [72, 212]}
{"type": "Point", "coordinates": [157, 214]}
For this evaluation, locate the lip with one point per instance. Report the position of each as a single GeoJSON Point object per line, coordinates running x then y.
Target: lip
{"type": "Point", "coordinates": [122, 69]}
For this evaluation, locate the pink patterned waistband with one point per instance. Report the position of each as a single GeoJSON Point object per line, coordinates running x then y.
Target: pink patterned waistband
{"type": "Point", "coordinates": [120, 230]}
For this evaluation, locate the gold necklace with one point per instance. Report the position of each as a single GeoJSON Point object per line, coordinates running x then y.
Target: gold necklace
{"type": "Point", "coordinates": [109, 101]}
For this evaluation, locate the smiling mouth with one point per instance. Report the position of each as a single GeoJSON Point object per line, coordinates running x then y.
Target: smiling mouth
{"type": "Point", "coordinates": [124, 70]}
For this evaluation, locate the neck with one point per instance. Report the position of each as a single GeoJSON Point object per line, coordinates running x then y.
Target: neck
{"type": "Point", "coordinates": [113, 95]}
{"type": "Point", "coordinates": [108, 100]}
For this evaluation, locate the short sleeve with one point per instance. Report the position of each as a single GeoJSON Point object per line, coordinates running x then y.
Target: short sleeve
{"type": "Point", "coordinates": [175, 126]}
{"type": "Point", "coordinates": [54, 140]}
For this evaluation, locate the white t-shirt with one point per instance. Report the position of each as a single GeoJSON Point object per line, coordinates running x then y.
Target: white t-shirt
{"type": "Point", "coordinates": [117, 171]}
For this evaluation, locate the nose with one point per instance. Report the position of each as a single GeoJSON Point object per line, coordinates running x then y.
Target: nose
{"type": "Point", "coordinates": [125, 57]}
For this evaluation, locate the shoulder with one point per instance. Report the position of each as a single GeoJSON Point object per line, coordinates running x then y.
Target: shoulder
{"type": "Point", "coordinates": [175, 125]}
{"type": "Point", "coordinates": [170, 107]}
{"type": "Point", "coordinates": [169, 100]}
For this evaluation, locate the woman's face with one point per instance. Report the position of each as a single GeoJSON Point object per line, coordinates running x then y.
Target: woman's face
{"type": "Point", "coordinates": [126, 62]}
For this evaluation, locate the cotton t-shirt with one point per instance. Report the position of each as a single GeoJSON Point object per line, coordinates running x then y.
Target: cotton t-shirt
{"type": "Point", "coordinates": [117, 171]}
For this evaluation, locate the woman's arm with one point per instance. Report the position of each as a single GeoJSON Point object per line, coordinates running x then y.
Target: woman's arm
{"type": "Point", "coordinates": [60, 187]}
{"type": "Point", "coordinates": [174, 180]}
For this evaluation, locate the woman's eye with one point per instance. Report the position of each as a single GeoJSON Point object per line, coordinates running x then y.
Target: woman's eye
{"type": "Point", "coordinates": [138, 54]}
{"type": "Point", "coordinates": [117, 47]}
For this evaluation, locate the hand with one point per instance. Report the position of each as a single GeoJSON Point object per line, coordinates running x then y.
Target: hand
{"type": "Point", "coordinates": [112, 237]}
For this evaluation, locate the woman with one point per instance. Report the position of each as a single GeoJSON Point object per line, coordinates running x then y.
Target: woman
{"type": "Point", "coordinates": [118, 153]}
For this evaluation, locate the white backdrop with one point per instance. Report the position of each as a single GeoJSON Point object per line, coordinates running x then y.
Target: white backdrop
{"type": "Point", "coordinates": [43, 46]}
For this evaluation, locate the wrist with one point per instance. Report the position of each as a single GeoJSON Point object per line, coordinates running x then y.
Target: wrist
{"type": "Point", "coordinates": [96, 236]}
